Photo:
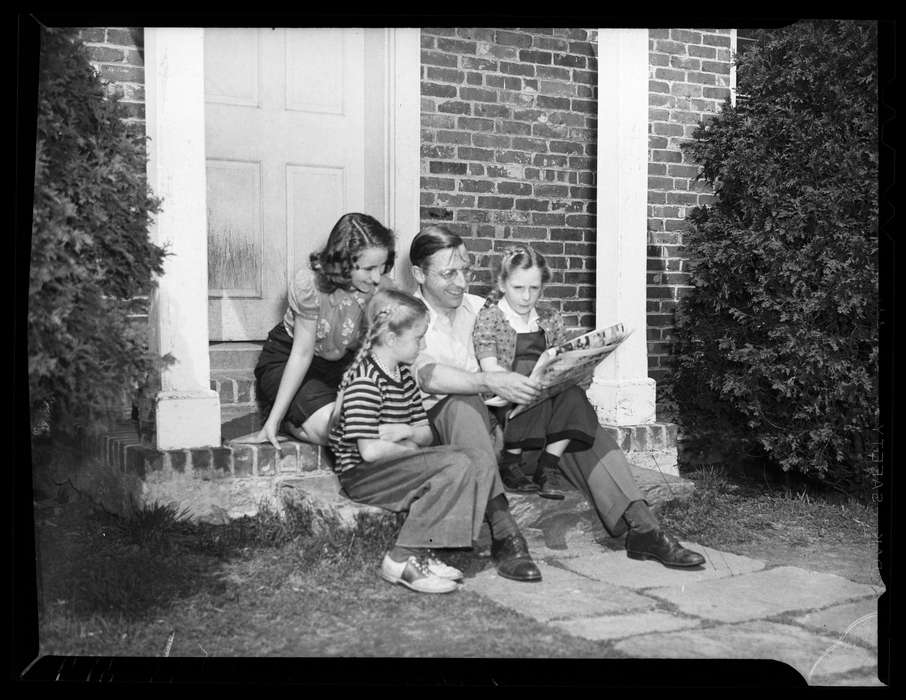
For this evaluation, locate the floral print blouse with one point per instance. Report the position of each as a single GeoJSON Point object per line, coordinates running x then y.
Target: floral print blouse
{"type": "Point", "coordinates": [339, 314]}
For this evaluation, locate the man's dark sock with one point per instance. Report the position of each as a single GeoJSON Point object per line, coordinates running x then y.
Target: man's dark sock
{"type": "Point", "coordinates": [499, 518]}
{"type": "Point", "coordinates": [507, 458]}
{"type": "Point", "coordinates": [640, 518]}
{"type": "Point", "coordinates": [547, 461]}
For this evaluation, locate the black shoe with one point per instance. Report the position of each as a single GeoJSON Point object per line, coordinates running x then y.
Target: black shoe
{"type": "Point", "coordinates": [658, 545]}
{"type": "Point", "coordinates": [512, 559]}
{"type": "Point", "coordinates": [551, 484]}
{"type": "Point", "coordinates": [515, 480]}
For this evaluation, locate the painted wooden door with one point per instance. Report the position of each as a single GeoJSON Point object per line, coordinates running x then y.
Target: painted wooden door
{"type": "Point", "coordinates": [285, 140]}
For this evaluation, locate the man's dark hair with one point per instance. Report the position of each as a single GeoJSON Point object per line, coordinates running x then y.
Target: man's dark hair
{"type": "Point", "coordinates": [430, 240]}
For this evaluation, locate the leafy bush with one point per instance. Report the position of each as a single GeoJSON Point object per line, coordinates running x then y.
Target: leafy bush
{"type": "Point", "coordinates": [777, 344]}
{"type": "Point", "coordinates": [92, 263]}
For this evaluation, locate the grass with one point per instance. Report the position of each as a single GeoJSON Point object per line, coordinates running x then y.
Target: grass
{"type": "Point", "coordinates": [155, 584]}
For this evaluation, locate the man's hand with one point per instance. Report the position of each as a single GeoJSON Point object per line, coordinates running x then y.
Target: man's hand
{"type": "Point", "coordinates": [394, 432]}
{"type": "Point", "coordinates": [512, 386]}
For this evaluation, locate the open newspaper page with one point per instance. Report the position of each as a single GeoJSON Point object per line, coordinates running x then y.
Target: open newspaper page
{"type": "Point", "coordinates": [573, 362]}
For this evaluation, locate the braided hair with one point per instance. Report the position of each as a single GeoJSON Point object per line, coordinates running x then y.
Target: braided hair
{"type": "Point", "coordinates": [353, 233]}
{"type": "Point", "coordinates": [388, 310]}
{"type": "Point", "coordinates": [517, 257]}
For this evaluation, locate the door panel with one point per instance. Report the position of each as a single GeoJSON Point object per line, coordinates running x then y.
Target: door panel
{"type": "Point", "coordinates": [285, 135]}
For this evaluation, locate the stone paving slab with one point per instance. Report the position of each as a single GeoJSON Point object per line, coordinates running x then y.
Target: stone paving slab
{"type": "Point", "coordinates": [618, 626]}
{"type": "Point", "coordinates": [619, 570]}
{"type": "Point", "coordinates": [813, 655]}
{"type": "Point", "coordinates": [762, 594]}
{"type": "Point", "coordinates": [560, 594]}
{"type": "Point", "coordinates": [856, 621]}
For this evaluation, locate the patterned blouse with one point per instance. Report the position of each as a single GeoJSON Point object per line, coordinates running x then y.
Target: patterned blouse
{"type": "Point", "coordinates": [338, 314]}
{"type": "Point", "coordinates": [495, 337]}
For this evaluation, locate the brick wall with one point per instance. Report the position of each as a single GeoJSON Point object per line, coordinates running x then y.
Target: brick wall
{"type": "Point", "coordinates": [689, 79]}
{"type": "Point", "coordinates": [508, 147]}
{"type": "Point", "coordinates": [117, 53]}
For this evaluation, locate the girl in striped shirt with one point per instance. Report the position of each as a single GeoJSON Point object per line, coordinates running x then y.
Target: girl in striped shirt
{"type": "Point", "coordinates": [380, 439]}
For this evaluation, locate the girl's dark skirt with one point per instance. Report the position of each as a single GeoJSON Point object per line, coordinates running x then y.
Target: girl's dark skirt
{"type": "Point", "coordinates": [568, 415]}
{"type": "Point", "coordinates": [318, 388]}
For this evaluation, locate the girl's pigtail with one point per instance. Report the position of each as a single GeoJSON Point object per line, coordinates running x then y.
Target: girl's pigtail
{"type": "Point", "coordinates": [374, 328]}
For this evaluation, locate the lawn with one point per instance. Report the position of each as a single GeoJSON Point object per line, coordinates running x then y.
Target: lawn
{"type": "Point", "coordinates": [155, 585]}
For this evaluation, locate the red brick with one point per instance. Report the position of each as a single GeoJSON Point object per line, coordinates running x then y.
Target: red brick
{"type": "Point", "coordinates": [447, 167]}
{"type": "Point", "coordinates": [515, 128]}
{"type": "Point", "coordinates": [703, 51]}
{"type": "Point", "coordinates": [475, 124]}
{"type": "Point", "coordinates": [445, 74]}
{"type": "Point", "coordinates": [126, 36]}
{"type": "Point", "coordinates": [685, 63]}
{"type": "Point", "coordinates": [105, 54]}
{"type": "Point", "coordinates": [583, 48]}
{"type": "Point", "coordinates": [542, 57]}
{"type": "Point", "coordinates": [716, 67]}
{"type": "Point", "coordinates": [703, 78]}
{"type": "Point", "coordinates": [669, 74]}
{"type": "Point", "coordinates": [716, 40]}
{"type": "Point", "coordinates": [121, 73]}
{"type": "Point", "coordinates": [658, 86]}
{"type": "Point", "coordinates": [532, 205]}
{"type": "Point", "coordinates": [471, 215]}
{"type": "Point", "coordinates": [518, 188]}
{"type": "Point", "coordinates": [514, 157]}
{"type": "Point", "coordinates": [495, 202]}
{"type": "Point", "coordinates": [474, 78]}
{"type": "Point", "coordinates": [550, 44]}
{"type": "Point", "coordinates": [436, 58]}
{"type": "Point", "coordinates": [570, 60]}
{"type": "Point", "coordinates": [686, 36]}
{"type": "Point", "coordinates": [491, 141]}
{"type": "Point", "coordinates": [523, 69]}
{"type": "Point", "coordinates": [476, 186]}
{"type": "Point", "coordinates": [429, 151]}
{"type": "Point", "coordinates": [671, 47]}
{"type": "Point", "coordinates": [457, 137]}
{"type": "Point", "coordinates": [513, 39]}
{"type": "Point", "coordinates": [438, 121]}
{"type": "Point", "coordinates": [456, 46]}
{"type": "Point", "coordinates": [545, 190]}
{"type": "Point", "coordinates": [454, 107]}
{"type": "Point", "coordinates": [438, 90]}
{"type": "Point", "coordinates": [477, 94]}
{"type": "Point", "coordinates": [527, 144]}
{"type": "Point", "coordinates": [476, 34]}
{"type": "Point", "coordinates": [492, 110]}
{"type": "Point", "coordinates": [479, 64]}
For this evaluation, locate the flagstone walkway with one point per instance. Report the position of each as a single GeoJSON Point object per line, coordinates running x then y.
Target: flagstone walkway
{"type": "Point", "coordinates": [734, 607]}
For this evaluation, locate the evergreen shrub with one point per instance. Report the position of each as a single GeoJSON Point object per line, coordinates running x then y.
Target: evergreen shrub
{"type": "Point", "coordinates": [92, 263]}
{"type": "Point", "coordinates": [777, 343]}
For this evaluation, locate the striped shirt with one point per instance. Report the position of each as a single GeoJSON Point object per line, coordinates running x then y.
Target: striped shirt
{"type": "Point", "coordinates": [372, 398]}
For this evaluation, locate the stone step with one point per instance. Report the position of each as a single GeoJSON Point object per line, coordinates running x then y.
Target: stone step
{"type": "Point", "coordinates": [234, 355]}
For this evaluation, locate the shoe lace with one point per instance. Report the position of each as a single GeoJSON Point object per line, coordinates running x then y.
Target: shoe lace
{"type": "Point", "coordinates": [421, 564]}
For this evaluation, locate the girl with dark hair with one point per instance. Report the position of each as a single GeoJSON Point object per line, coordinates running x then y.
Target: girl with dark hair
{"type": "Point", "coordinates": [380, 439]}
{"type": "Point", "coordinates": [511, 332]}
{"type": "Point", "coordinates": [305, 355]}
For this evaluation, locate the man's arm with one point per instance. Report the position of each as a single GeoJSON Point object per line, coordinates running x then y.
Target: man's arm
{"type": "Point", "coordinates": [437, 378]}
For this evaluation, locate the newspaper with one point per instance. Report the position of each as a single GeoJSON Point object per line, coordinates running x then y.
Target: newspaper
{"type": "Point", "coordinates": [570, 363]}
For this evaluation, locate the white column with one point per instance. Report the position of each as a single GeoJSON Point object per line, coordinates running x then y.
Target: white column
{"type": "Point", "coordinates": [621, 391]}
{"type": "Point", "coordinates": [187, 410]}
{"type": "Point", "coordinates": [404, 136]}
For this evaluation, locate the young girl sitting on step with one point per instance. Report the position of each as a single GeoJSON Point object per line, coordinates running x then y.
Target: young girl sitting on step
{"type": "Point", "coordinates": [511, 332]}
{"type": "Point", "coordinates": [380, 439]}
{"type": "Point", "coordinates": [305, 355]}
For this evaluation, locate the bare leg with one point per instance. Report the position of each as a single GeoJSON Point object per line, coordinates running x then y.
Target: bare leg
{"type": "Point", "coordinates": [314, 430]}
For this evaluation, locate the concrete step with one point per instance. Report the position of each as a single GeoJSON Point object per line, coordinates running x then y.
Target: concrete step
{"type": "Point", "coordinates": [234, 356]}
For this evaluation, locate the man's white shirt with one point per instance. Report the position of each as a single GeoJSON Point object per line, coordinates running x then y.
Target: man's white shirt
{"type": "Point", "coordinates": [448, 341]}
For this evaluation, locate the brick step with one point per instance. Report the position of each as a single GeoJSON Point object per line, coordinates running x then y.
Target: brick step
{"type": "Point", "coordinates": [234, 356]}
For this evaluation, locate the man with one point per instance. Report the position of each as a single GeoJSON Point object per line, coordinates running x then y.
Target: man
{"type": "Point", "coordinates": [451, 383]}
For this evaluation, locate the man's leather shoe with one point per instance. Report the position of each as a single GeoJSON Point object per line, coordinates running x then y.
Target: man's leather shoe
{"type": "Point", "coordinates": [512, 559]}
{"type": "Point", "coordinates": [658, 545]}
{"type": "Point", "coordinates": [515, 480]}
{"type": "Point", "coordinates": [550, 484]}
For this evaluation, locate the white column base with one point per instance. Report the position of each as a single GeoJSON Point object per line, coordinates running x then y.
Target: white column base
{"type": "Point", "coordinates": [187, 419]}
{"type": "Point", "coordinates": [626, 402]}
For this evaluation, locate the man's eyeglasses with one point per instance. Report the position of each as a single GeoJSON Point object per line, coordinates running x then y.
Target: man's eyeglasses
{"type": "Point", "coordinates": [450, 274]}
